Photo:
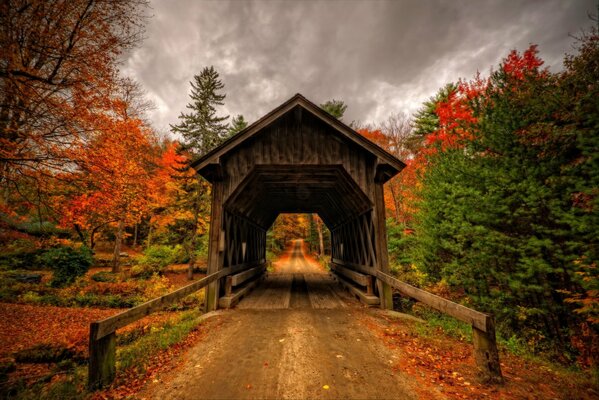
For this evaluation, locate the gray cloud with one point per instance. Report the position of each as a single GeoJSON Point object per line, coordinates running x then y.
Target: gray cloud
{"type": "Point", "coordinates": [380, 57]}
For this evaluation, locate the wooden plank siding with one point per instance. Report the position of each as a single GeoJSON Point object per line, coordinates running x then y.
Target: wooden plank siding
{"type": "Point", "coordinates": [315, 144]}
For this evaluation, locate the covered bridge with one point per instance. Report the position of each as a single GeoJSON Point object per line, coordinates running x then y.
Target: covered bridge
{"type": "Point", "coordinates": [298, 159]}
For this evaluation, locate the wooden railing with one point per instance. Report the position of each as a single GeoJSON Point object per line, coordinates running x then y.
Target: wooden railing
{"type": "Point", "coordinates": [102, 335]}
{"type": "Point", "coordinates": [483, 325]}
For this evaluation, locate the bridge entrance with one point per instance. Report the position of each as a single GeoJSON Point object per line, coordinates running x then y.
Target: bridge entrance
{"type": "Point", "coordinates": [297, 159]}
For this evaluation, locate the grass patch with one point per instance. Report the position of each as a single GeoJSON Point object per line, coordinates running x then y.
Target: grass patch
{"type": "Point", "coordinates": [435, 321]}
{"type": "Point", "coordinates": [139, 352]}
{"type": "Point", "coordinates": [58, 385]}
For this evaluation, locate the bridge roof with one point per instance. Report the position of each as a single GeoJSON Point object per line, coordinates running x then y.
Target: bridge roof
{"type": "Point", "coordinates": [391, 164]}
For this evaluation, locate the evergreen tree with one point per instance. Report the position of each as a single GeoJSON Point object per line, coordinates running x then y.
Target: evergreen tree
{"type": "Point", "coordinates": [238, 124]}
{"type": "Point", "coordinates": [334, 107]}
{"type": "Point", "coordinates": [508, 211]}
{"type": "Point", "coordinates": [201, 128]}
{"type": "Point", "coordinates": [426, 120]}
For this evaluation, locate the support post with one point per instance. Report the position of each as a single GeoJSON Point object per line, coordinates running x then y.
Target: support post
{"type": "Point", "coordinates": [382, 259]}
{"type": "Point", "coordinates": [229, 286]}
{"type": "Point", "coordinates": [214, 246]}
{"type": "Point", "coordinates": [486, 354]}
{"type": "Point", "coordinates": [102, 359]}
{"type": "Point", "coordinates": [369, 287]}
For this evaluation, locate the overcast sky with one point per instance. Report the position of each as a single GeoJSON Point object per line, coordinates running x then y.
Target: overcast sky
{"type": "Point", "coordinates": [379, 57]}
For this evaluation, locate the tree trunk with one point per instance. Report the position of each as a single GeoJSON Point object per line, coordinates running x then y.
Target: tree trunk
{"type": "Point", "coordinates": [320, 237]}
{"type": "Point", "coordinates": [135, 236]}
{"type": "Point", "coordinates": [116, 260]}
{"type": "Point", "coordinates": [80, 234]}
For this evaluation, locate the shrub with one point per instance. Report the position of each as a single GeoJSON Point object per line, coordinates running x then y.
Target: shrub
{"type": "Point", "coordinates": [157, 286]}
{"type": "Point", "coordinates": [68, 264]}
{"type": "Point", "coordinates": [31, 298]}
{"type": "Point", "coordinates": [103, 276]}
{"type": "Point", "coordinates": [21, 260]}
{"type": "Point", "coordinates": [156, 258]}
{"type": "Point", "coordinates": [180, 255]}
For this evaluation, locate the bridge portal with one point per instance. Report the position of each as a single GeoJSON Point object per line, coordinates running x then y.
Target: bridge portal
{"type": "Point", "coordinates": [298, 159]}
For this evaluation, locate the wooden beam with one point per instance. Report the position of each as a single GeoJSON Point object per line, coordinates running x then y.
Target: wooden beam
{"type": "Point", "coordinates": [380, 239]}
{"type": "Point", "coordinates": [215, 254]}
{"type": "Point", "coordinates": [102, 358]}
{"type": "Point", "coordinates": [238, 279]}
{"type": "Point", "coordinates": [477, 319]}
{"type": "Point", "coordinates": [364, 297]}
{"type": "Point", "coordinates": [356, 267]}
{"type": "Point", "coordinates": [486, 354]}
{"type": "Point", "coordinates": [111, 324]}
{"type": "Point", "coordinates": [233, 298]}
{"type": "Point", "coordinates": [360, 279]}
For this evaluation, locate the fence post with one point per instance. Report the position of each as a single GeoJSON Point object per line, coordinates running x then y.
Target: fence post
{"type": "Point", "coordinates": [102, 358]}
{"type": "Point", "coordinates": [486, 354]}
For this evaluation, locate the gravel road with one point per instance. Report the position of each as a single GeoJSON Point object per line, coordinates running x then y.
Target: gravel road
{"type": "Point", "coordinates": [296, 337]}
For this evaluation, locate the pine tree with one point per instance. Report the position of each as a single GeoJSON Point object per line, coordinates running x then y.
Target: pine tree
{"type": "Point", "coordinates": [426, 120]}
{"type": "Point", "coordinates": [202, 130]}
{"type": "Point", "coordinates": [508, 211]}
{"type": "Point", "coordinates": [334, 107]}
{"type": "Point", "coordinates": [238, 124]}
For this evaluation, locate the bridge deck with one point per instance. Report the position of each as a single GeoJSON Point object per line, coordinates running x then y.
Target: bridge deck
{"type": "Point", "coordinates": [295, 290]}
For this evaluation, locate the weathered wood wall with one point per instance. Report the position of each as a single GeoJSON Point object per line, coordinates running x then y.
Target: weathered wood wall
{"type": "Point", "coordinates": [299, 138]}
{"type": "Point", "coordinates": [298, 163]}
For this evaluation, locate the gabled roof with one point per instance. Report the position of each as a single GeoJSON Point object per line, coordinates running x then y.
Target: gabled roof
{"type": "Point", "coordinates": [391, 163]}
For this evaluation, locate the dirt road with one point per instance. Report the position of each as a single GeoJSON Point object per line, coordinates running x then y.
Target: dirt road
{"type": "Point", "coordinates": [295, 337]}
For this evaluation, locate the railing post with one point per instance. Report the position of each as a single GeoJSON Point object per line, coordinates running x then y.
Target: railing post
{"type": "Point", "coordinates": [486, 354]}
{"type": "Point", "coordinates": [102, 358]}
{"type": "Point", "coordinates": [382, 261]}
{"type": "Point", "coordinates": [229, 285]}
{"type": "Point", "coordinates": [369, 287]}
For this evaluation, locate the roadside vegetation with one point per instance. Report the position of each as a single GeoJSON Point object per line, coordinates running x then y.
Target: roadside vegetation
{"type": "Point", "coordinates": [496, 209]}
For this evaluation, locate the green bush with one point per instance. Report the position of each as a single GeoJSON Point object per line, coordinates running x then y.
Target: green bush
{"type": "Point", "coordinates": [180, 255]}
{"type": "Point", "coordinates": [68, 264]}
{"type": "Point", "coordinates": [158, 257]}
{"type": "Point", "coordinates": [21, 260]}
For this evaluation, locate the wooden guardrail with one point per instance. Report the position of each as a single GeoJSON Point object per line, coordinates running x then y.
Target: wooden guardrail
{"type": "Point", "coordinates": [345, 276]}
{"type": "Point", "coordinates": [483, 326]}
{"type": "Point", "coordinates": [232, 297]}
{"type": "Point", "coordinates": [102, 335]}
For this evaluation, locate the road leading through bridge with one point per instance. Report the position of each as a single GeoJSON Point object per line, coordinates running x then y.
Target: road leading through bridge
{"type": "Point", "coordinates": [296, 336]}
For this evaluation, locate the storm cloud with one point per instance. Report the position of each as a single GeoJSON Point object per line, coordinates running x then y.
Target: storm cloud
{"type": "Point", "coordinates": [379, 57]}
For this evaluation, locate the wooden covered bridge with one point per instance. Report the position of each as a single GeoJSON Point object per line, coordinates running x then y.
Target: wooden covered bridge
{"type": "Point", "coordinates": [296, 159]}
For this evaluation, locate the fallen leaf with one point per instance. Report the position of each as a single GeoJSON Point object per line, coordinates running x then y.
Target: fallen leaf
{"type": "Point", "coordinates": [281, 340]}
{"type": "Point", "coordinates": [326, 387]}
